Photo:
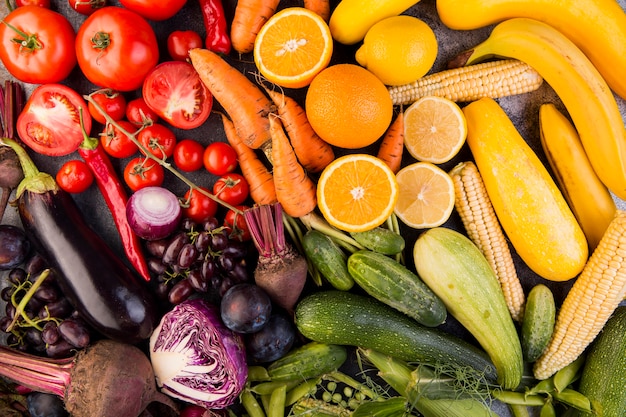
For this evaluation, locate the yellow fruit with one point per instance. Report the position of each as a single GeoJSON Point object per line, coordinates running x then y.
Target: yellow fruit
{"type": "Point", "coordinates": [434, 129]}
{"type": "Point", "coordinates": [398, 50]}
{"type": "Point", "coordinates": [357, 192]}
{"type": "Point", "coordinates": [426, 195]}
{"type": "Point", "coordinates": [292, 47]}
{"type": "Point", "coordinates": [348, 106]}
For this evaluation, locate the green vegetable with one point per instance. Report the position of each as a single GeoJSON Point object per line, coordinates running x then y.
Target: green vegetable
{"type": "Point", "coordinates": [381, 240]}
{"type": "Point", "coordinates": [538, 322]}
{"type": "Point", "coordinates": [329, 259]}
{"type": "Point", "coordinates": [395, 285]}
{"type": "Point", "coordinates": [344, 318]}
{"type": "Point", "coordinates": [308, 361]}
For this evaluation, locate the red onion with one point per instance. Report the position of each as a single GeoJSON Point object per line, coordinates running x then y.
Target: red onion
{"type": "Point", "coordinates": [153, 212]}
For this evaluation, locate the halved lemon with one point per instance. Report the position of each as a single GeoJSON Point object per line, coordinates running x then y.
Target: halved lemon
{"type": "Point", "coordinates": [357, 192]}
{"type": "Point", "coordinates": [292, 47]}
{"type": "Point", "coordinates": [435, 129]}
{"type": "Point", "coordinates": [426, 196]}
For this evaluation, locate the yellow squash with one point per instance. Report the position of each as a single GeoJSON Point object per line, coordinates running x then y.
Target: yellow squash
{"type": "Point", "coordinates": [530, 207]}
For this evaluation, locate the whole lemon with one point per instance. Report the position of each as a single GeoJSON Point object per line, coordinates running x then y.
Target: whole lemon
{"type": "Point", "coordinates": [398, 49]}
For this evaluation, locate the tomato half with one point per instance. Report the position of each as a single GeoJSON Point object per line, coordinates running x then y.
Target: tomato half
{"type": "Point", "coordinates": [116, 48]}
{"type": "Point", "coordinates": [199, 207]}
{"type": "Point", "coordinates": [37, 45]}
{"type": "Point", "coordinates": [154, 10]}
{"type": "Point", "coordinates": [231, 188]}
{"type": "Point", "coordinates": [113, 103]}
{"type": "Point", "coordinates": [220, 158]}
{"type": "Point", "coordinates": [159, 139]}
{"type": "Point", "coordinates": [179, 42]}
{"type": "Point", "coordinates": [173, 89]}
{"type": "Point", "coordinates": [74, 176]}
{"type": "Point", "coordinates": [50, 121]}
{"type": "Point", "coordinates": [143, 172]}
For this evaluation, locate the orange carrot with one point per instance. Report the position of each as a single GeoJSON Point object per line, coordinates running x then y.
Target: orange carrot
{"type": "Point", "coordinates": [313, 152]}
{"type": "Point", "coordinates": [245, 103]}
{"type": "Point", "coordinates": [295, 191]}
{"type": "Point", "coordinates": [249, 16]}
{"type": "Point", "coordinates": [321, 7]}
{"type": "Point", "coordinates": [260, 179]}
{"type": "Point", "coordinates": [392, 144]}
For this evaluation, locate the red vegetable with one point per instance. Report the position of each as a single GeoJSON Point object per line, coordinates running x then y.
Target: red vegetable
{"type": "Point", "coordinates": [74, 176]}
{"type": "Point", "coordinates": [217, 37]}
{"type": "Point", "coordinates": [153, 212]}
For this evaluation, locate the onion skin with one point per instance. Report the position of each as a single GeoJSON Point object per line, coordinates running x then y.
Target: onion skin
{"type": "Point", "coordinates": [153, 213]}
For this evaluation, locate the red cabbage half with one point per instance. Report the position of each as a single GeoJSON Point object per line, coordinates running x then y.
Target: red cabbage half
{"type": "Point", "coordinates": [196, 358]}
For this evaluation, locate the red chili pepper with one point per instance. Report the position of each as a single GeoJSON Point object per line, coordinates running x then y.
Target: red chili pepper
{"type": "Point", "coordinates": [115, 196]}
{"type": "Point", "coordinates": [217, 37]}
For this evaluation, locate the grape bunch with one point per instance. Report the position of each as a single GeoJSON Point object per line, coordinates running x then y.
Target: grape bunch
{"type": "Point", "coordinates": [38, 317]}
{"type": "Point", "coordinates": [198, 258]}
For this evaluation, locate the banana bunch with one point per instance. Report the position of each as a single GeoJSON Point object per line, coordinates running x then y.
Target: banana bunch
{"type": "Point", "coordinates": [582, 89]}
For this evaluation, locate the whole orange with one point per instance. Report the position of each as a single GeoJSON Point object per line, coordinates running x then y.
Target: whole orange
{"type": "Point", "coordinates": [348, 106]}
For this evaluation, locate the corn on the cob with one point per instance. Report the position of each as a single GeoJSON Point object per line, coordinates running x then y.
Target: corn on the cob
{"type": "Point", "coordinates": [489, 79]}
{"type": "Point", "coordinates": [592, 299]}
{"type": "Point", "coordinates": [482, 227]}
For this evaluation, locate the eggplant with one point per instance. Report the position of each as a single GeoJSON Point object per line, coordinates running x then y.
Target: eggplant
{"type": "Point", "coordinates": [104, 291]}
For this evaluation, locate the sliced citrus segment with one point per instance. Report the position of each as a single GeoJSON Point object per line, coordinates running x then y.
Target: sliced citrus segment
{"type": "Point", "coordinates": [434, 129]}
{"type": "Point", "coordinates": [292, 47]}
{"type": "Point", "coordinates": [357, 192]}
{"type": "Point", "coordinates": [426, 196]}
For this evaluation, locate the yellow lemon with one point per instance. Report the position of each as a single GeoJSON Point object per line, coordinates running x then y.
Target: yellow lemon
{"type": "Point", "coordinates": [398, 49]}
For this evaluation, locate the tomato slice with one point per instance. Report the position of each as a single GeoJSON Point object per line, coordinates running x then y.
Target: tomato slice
{"type": "Point", "coordinates": [174, 91]}
{"type": "Point", "coordinates": [50, 121]}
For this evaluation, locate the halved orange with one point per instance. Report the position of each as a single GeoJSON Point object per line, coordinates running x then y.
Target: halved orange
{"type": "Point", "coordinates": [435, 129]}
{"type": "Point", "coordinates": [426, 196]}
{"type": "Point", "coordinates": [357, 192]}
{"type": "Point", "coordinates": [292, 47]}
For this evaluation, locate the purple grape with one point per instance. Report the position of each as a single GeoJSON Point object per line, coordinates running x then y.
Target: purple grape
{"type": "Point", "coordinates": [226, 262]}
{"type": "Point", "coordinates": [219, 241]}
{"type": "Point", "coordinates": [197, 281]}
{"type": "Point", "coordinates": [17, 276]}
{"type": "Point", "coordinates": [210, 224]}
{"type": "Point", "coordinates": [207, 269]}
{"type": "Point", "coordinates": [14, 246]}
{"type": "Point", "coordinates": [47, 293]}
{"type": "Point", "coordinates": [156, 266]}
{"type": "Point", "coordinates": [50, 333]}
{"type": "Point", "coordinates": [5, 322]}
{"type": "Point", "coordinates": [202, 241]}
{"type": "Point", "coordinates": [57, 309]}
{"type": "Point", "coordinates": [187, 256]}
{"type": "Point", "coordinates": [157, 247]}
{"type": "Point", "coordinates": [35, 265]}
{"type": "Point", "coordinates": [174, 247]}
{"type": "Point", "coordinates": [6, 292]}
{"type": "Point", "coordinates": [235, 250]}
{"type": "Point", "coordinates": [74, 332]}
{"type": "Point", "coordinates": [181, 291]}
{"type": "Point", "coordinates": [60, 349]}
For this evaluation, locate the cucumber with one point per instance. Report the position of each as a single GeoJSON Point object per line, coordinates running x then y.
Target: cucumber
{"type": "Point", "coordinates": [328, 258]}
{"type": "Point", "coordinates": [345, 318]}
{"type": "Point", "coordinates": [381, 240]}
{"type": "Point", "coordinates": [308, 361]}
{"type": "Point", "coordinates": [457, 271]}
{"type": "Point", "coordinates": [395, 285]}
{"type": "Point", "coordinates": [538, 322]}
{"type": "Point", "coordinates": [603, 378]}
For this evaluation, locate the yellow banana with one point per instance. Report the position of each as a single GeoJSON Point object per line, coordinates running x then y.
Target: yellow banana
{"type": "Point", "coordinates": [588, 99]}
{"type": "Point", "coordinates": [590, 201]}
{"type": "Point", "coordinates": [597, 27]}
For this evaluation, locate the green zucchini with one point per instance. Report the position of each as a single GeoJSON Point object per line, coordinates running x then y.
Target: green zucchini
{"type": "Point", "coordinates": [381, 240]}
{"type": "Point", "coordinates": [392, 283]}
{"type": "Point", "coordinates": [455, 269]}
{"type": "Point", "coordinates": [329, 259]}
{"type": "Point", "coordinates": [603, 378]}
{"type": "Point", "coordinates": [538, 322]}
{"type": "Point", "coordinates": [346, 318]}
{"type": "Point", "coordinates": [308, 361]}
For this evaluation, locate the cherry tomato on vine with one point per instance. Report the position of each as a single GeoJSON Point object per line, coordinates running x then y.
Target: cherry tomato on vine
{"type": "Point", "coordinates": [236, 224]}
{"type": "Point", "coordinates": [40, 3]}
{"type": "Point", "coordinates": [174, 90]}
{"type": "Point", "coordinates": [188, 155]}
{"type": "Point", "coordinates": [74, 176]}
{"type": "Point", "coordinates": [86, 7]}
{"type": "Point", "coordinates": [220, 158]}
{"type": "Point", "coordinates": [112, 102]}
{"type": "Point", "coordinates": [37, 45]}
{"type": "Point", "coordinates": [143, 172]}
{"type": "Point", "coordinates": [154, 10]}
{"type": "Point", "coordinates": [232, 188]}
{"type": "Point", "coordinates": [138, 112]}
{"type": "Point", "coordinates": [49, 122]}
{"type": "Point", "coordinates": [159, 139]}
{"type": "Point", "coordinates": [179, 42]}
{"type": "Point", "coordinates": [116, 48]}
{"type": "Point", "coordinates": [199, 207]}
{"type": "Point", "coordinates": [116, 143]}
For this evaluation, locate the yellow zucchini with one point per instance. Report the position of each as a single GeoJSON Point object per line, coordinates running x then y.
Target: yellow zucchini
{"type": "Point", "coordinates": [529, 205]}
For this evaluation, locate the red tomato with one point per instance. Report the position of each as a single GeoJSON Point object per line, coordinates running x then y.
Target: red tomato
{"type": "Point", "coordinates": [143, 172]}
{"type": "Point", "coordinates": [138, 112]}
{"type": "Point", "coordinates": [159, 139]}
{"type": "Point", "coordinates": [74, 176]}
{"type": "Point", "coordinates": [40, 3]}
{"type": "Point", "coordinates": [236, 225]}
{"type": "Point", "coordinates": [232, 188]}
{"type": "Point", "coordinates": [199, 207]}
{"type": "Point", "coordinates": [50, 121]}
{"type": "Point", "coordinates": [154, 10]}
{"type": "Point", "coordinates": [44, 50]}
{"type": "Point", "coordinates": [180, 42]}
{"type": "Point", "coordinates": [116, 48]}
{"type": "Point", "coordinates": [176, 93]}
{"type": "Point", "coordinates": [112, 102]}
{"type": "Point", "coordinates": [188, 155]}
{"type": "Point", "coordinates": [220, 158]}
{"type": "Point", "coordinates": [86, 7]}
{"type": "Point", "coordinates": [116, 143]}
